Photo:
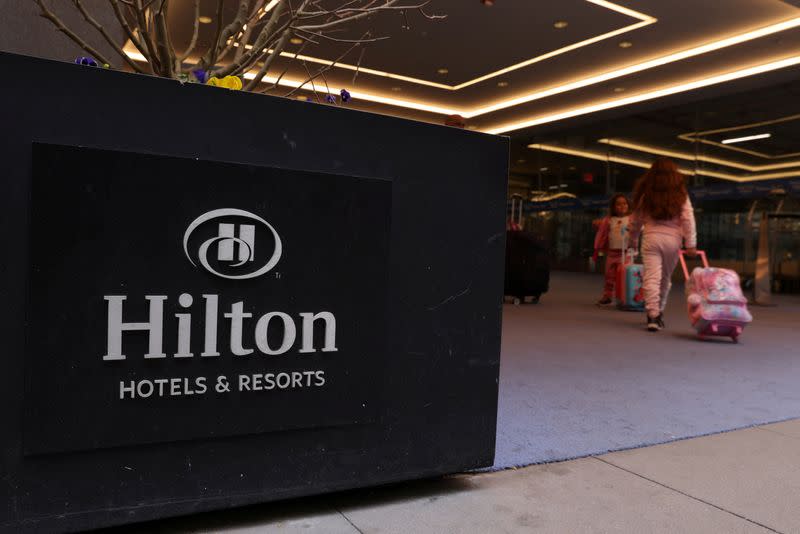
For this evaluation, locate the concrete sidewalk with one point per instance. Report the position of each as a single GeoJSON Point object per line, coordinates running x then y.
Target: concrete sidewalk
{"type": "Point", "coordinates": [742, 481]}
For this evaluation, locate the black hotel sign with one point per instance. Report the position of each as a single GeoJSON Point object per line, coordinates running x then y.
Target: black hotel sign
{"type": "Point", "coordinates": [179, 299]}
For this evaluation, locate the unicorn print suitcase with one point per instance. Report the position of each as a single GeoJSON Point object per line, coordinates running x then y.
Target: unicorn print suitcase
{"type": "Point", "coordinates": [628, 287]}
{"type": "Point", "coordinates": [715, 302]}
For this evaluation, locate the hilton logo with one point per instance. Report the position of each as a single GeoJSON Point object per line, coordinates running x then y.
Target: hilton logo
{"type": "Point", "coordinates": [235, 248]}
{"type": "Point", "coordinates": [235, 242]}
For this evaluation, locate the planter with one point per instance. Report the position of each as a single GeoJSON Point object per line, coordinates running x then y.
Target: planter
{"type": "Point", "coordinates": [215, 298]}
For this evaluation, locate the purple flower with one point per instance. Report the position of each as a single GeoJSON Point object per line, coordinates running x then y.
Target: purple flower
{"type": "Point", "coordinates": [345, 95]}
{"type": "Point", "coordinates": [85, 60]}
{"type": "Point", "coordinates": [201, 75]}
{"type": "Point", "coordinates": [330, 99]}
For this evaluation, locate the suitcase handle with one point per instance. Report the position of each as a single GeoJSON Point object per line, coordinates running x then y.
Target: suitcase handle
{"type": "Point", "coordinates": [517, 200]}
{"type": "Point", "coordinates": [682, 254]}
{"type": "Point", "coordinates": [625, 248]}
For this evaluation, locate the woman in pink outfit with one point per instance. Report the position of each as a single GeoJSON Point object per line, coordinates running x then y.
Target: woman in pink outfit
{"type": "Point", "coordinates": [662, 206]}
{"type": "Point", "coordinates": [609, 239]}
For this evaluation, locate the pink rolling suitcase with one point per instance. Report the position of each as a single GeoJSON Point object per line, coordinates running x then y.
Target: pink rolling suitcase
{"type": "Point", "coordinates": [715, 301]}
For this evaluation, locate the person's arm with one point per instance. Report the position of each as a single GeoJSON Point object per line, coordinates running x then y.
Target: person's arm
{"type": "Point", "coordinates": [601, 238]}
{"type": "Point", "coordinates": [689, 228]}
{"type": "Point", "coordinates": [635, 223]}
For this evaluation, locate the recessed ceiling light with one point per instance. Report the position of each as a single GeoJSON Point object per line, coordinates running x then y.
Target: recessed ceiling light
{"type": "Point", "coordinates": [560, 24]}
{"type": "Point", "coordinates": [625, 44]}
{"type": "Point", "coordinates": [746, 138]}
{"type": "Point", "coordinates": [296, 40]}
{"type": "Point", "coordinates": [204, 20]}
{"type": "Point", "coordinates": [521, 160]}
{"type": "Point", "coordinates": [619, 89]}
{"type": "Point", "coordinates": [572, 168]}
{"type": "Point", "coordinates": [502, 84]}
{"type": "Point", "coordinates": [544, 169]}
{"type": "Point", "coordinates": [443, 71]}
{"type": "Point", "coordinates": [397, 89]}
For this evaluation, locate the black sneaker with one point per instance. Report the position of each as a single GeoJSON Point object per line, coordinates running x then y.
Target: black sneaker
{"type": "Point", "coordinates": [605, 301]}
{"type": "Point", "coordinates": [660, 321]}
{"type": "Point", "coordinates": [652, 324]}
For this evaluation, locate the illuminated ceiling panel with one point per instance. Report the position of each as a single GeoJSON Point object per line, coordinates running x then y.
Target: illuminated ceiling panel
{"type": "Point", "coordinates": [701, 137]}
{"type": "Point", "coordinates": [645, 164]}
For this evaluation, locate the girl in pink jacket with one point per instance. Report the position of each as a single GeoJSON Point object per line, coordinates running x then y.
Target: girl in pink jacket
{"type": "Point", "coordinates": [609, 240]}
{"type": "Point", "coordinates": [662, 206]}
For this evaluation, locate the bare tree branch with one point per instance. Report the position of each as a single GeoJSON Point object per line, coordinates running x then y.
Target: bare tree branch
{"type": "Point", "coordinates": [351, 14]}
{"type": "Point", "coordinates": [358, 66]}
{"type": "Point", "coordinates": [146, 25]}
{"type": "Point", "coordinates": [313, 85]}
{"type": "Point", "coordinates": [327, 87]}
{"type": "Point", "coordinates": [326, 68]}
{"type": "Point", "coordinates": [123, 22]}
{"type": "Point", "coordinates": [210, 57]}
{"type": "Point", "coordinates": [52, 17]}
{"type": "Point", "coordinates": [227, 32]}
{"type": "Point", "coordinates": [251, 56]}
{"type": "Point", "coordinates": [386, 7]}
{"type": "Point", "coordinates": [305, 34]}
{"type": "Point", "coordinates": [239, 43]}
{"type": "Point", "coordinates": [362, 13]}
{"type": "Point", "coordinates": [288, 65]}
{"type": "Point", "coordinates": [241, 48]}
{"type": "Point", "coordinates": [322, 11]}
{"type": "Point", "coordinates": [109, 39]}
{"type": "Point", "coordinates": [165, 50]}
{"type": "Point", "coordinates": [431, 17]}
{"type": "Point", "coordinates": [269, 61]}
{"type": "Point", "coordinates": [146, 37]}
{"type": "Point", "coordinates": [195, 33]}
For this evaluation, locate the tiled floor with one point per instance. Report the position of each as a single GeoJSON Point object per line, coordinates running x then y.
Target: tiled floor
{"type": "Point", "coordinates": [741, 481]}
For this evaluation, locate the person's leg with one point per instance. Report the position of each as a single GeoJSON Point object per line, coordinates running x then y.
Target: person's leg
{"type": "Point", "coordinates": [613, 260]}
{"type": "Point", "coordinates": [651, 285]}
{"type": "Point", "coordinates": [670, 255]}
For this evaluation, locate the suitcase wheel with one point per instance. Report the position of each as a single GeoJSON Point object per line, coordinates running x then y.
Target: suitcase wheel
{"type": "Point", "coordinates": [517, 301]}
{"type": "Point", "coordinates": [736, 333]}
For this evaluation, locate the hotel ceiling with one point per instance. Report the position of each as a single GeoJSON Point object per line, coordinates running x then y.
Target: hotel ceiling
{"type": "Point", "coordinates": [506, 68]}
{"type": "Point", "coordinates": [742, 137]}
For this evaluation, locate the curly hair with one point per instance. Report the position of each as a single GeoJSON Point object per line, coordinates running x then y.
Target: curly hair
{"type": "Point", "coordinates": [613, 201]}
{"type": "Point", "coordinates": [661, 192]}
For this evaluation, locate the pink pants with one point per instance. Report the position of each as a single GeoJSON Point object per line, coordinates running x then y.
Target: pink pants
{"type": "Point", "coordinates": [613, 262]}
{"type": "Point", "coordinates": [660, 255]}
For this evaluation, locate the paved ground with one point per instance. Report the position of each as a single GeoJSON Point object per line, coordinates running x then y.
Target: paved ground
{"type": "Point", "coordinates": [578, 380]}
{"type": "Point", "coordinates": [745, 481]}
